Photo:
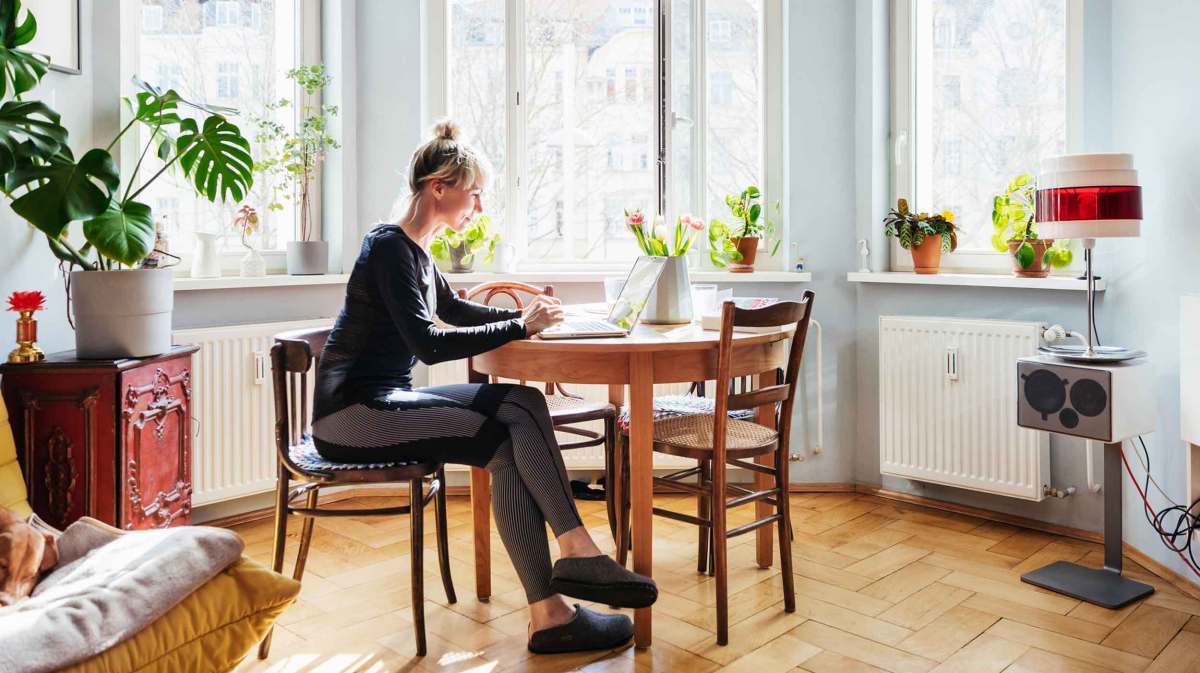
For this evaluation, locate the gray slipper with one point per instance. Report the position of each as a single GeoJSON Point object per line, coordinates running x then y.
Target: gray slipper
{"type": "Point", "coordinates": [587, 630]}
{"type": "Point", "coordinates": [602, 580]}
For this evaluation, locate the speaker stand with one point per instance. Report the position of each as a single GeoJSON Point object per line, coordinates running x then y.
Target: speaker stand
{"type": "Point", "coordinates": [1100, 586]}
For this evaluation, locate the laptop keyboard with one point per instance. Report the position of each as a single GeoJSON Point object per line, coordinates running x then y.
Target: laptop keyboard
{"type": "Point", "coordinates": [575, 325]}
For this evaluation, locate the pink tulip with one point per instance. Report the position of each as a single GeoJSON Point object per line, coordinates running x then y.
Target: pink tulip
{"type": "Point", "coordinates": [693, 222]}
{"type": "Point", "coordinates": [636, 219]}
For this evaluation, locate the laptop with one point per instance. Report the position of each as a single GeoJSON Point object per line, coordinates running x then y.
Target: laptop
{"type": "Point", "coordinates": [626, 310]}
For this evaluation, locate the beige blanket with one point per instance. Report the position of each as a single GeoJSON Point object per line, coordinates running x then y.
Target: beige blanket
{"type": "Point", "coordinates": [108, 586]}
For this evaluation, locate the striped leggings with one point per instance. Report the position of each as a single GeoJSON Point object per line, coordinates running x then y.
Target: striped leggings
{"type": "Point", "coordinates": [504, 427]}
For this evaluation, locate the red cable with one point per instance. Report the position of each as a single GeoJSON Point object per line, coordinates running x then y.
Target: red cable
{"type": "Point", "coordinates": [1146, 502]}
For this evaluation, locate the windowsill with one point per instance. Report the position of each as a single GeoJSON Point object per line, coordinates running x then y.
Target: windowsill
{"type": "Point", "coordinates": [974, 280]}
{"type": "Point", "coordinates": [184, 284]}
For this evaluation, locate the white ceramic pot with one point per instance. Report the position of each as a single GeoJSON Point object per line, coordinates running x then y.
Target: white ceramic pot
{"type": "Point", "coordinates": [122, 314]}
{"type": "Point", "coordinates": [206, 262]}
{"type": "Point", "coordinates": [307, 258]}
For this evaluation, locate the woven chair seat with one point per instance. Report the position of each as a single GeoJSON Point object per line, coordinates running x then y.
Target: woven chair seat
{"type": "Point", "coordinates": [566, 409]}
{"type": "Point", "coordinates": [305, 456]}
{"type": "Point", "coordinates": [693, 436]}
{"type": "Point", "coordinates": [666, 406]}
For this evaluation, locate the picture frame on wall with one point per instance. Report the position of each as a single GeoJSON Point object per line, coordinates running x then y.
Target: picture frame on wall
{"type": "Point", "coordinates": [58, 33]}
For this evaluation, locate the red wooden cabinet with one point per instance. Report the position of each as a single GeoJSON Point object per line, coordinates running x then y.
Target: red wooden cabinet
{"type": "Point", "coordinates": [108, 439]}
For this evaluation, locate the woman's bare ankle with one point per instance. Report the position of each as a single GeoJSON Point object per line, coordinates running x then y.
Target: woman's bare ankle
{"type": "Point", "coordinates": [577, 543]}
{"type": "Point", "coordinates": [548, 613]}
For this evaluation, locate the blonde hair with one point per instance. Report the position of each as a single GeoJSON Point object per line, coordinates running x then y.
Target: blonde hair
{"type": "Point", "coordinates": [447, 157]}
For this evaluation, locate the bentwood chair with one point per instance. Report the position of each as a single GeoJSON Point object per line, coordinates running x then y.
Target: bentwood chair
{"type": "Point", "coordinates": [567, 410]}
{"type": "Point", "coordinates": [721, 442]}
{"type": "Point", "coordinates": [293, 356]}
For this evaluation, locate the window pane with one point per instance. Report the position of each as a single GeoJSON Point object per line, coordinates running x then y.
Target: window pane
{"type": "Point", "coordinates": [477, 88]}
{"type": "Point", "coordinates": [589, 114]}
{"type": "Point", "coordinates": [734, 101]}
{"type": "Point", "coordinates": [990, 101]}
{"type": "Point", "coordinates": [232, 53]}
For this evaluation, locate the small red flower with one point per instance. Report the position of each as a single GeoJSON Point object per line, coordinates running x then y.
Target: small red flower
{"type": "Point", "coordinates": [32, 300]}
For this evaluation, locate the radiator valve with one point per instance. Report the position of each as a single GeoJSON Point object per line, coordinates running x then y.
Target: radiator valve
{"type": "Point", "coordinates": [1052, 492]}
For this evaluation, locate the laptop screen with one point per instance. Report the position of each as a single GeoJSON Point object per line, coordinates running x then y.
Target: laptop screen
{"type": "Point", "coordinates": [636, 292]}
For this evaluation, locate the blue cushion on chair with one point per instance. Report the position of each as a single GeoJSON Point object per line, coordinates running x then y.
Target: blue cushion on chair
{"type": "Point", "coordinates": [668, 406]}
{"type": "Point", "coordinates": [305, 456]}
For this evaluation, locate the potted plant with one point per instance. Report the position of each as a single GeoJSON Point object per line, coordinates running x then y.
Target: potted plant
{"type": "Point", "coordinates": [926, 236]}
{"type": "Point", "coordinates": [291, 159]}
{"type": "Point", "coordinates": [1013, 221]}
{"type": "Point", "coordinates": [671, 301]}
{"type": "Point", "coordinates": [246, 222]}
{"type": "Point", "coordinates": [459, 248]}
{"type": "Point", "coordinates": [50, 188]}
{"type": "Point", "coordinates": [737, 247]}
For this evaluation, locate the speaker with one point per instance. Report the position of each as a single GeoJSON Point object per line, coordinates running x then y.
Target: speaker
{"type": "Point", "coordinates": [1107, 403]}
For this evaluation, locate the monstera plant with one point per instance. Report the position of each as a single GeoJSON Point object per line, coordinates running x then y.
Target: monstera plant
{"type": "Point", "coordinates": [52, 189]}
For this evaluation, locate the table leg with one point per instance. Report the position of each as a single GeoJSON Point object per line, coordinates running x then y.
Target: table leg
{"type": "Point", "coordinates": [481, 506]}
{"type": "Point", "coordinates": [764, 415]}
{"type": "Point", "coordinates": [616, 482]}
{"type": "Point", "coordinates": [641, 462]}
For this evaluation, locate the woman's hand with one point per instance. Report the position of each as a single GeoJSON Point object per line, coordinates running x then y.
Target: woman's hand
{"type": "Point", "coordinates": [541, 312]}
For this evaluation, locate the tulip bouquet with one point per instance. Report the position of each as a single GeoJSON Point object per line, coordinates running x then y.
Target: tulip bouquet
{"type": "Point", "coordinates": [653, 242]}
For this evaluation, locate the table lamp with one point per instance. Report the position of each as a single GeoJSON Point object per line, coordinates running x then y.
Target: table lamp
{"type": "Point", "coordinates": [1089, 196]}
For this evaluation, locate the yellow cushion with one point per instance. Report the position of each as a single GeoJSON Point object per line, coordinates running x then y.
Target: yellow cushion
{"type": "Point", "coordinates": [12, 484]}
{"type": "Point", "coordinates": [211, 630]}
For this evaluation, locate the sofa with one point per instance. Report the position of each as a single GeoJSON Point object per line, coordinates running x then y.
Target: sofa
{"type": "Point", "coordinates": [212, 629]}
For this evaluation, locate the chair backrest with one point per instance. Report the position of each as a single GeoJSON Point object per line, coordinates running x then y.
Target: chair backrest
{"type": "Point", "coordinates": [294, 355]}
{"type": "Point", "coordinates": [783, 391]}
{"type": "Point", "coordinates": [515, 291]}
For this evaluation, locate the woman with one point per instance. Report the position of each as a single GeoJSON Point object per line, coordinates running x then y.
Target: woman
{"type": "Point", "coordinates": [365, 408]}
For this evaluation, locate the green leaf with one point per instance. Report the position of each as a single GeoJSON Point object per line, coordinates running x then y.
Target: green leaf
{"type": "Point", "coordinates": [755, 211]}
{"type": "Point", "coordinates": [1025, 255]}
{"type": "Point", "coordinates": [439, 249]}
{"type": "Point", "coordinates": [945, 243]}
{"type": "Point", "coordinates": [20, 70]}
{"type": "Point", "coordinates": [124, 232]}
{"type": "Point", "coordinates": [63, 190]}
{"type": "Point", "coordinates": [1062, 257]}
{"type": "Point", "coordinates": [216, 157]}
{"type": "Point", "coordinates": [30, 124]}
{"type": "Point", "coordinates": [1000, 241]}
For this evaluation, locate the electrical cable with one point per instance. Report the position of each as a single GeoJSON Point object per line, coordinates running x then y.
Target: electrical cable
{"type": "Point", "coordinates": [1155, 520]}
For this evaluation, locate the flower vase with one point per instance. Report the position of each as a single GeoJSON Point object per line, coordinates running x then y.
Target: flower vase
{"type": "Point", "coordinates": [27, 350]}
{"type": "Point", "coordinates": [671, 301]}
{"type": "Point", "coordinates": [206, 263]}
{"type": "Point", "coordinates": [253, 265]}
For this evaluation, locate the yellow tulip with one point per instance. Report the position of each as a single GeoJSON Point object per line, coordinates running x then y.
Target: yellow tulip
{"type": "Point", "coordinates": [948, 215]}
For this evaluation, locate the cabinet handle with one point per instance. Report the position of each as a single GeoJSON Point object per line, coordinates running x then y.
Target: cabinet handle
{"type": "Point", "coordinates": [260, 367]}
{"type": "Point", "coordinates": [952, 363]}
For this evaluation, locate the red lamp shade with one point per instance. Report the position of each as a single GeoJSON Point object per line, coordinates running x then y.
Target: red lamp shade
{"type": "Point", "coordinates": [1088, 196]}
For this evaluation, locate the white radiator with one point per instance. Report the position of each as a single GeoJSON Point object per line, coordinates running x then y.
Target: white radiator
{"type": "Point", "coordinates": [233, 413]}
{"type": "Point", "coordinates": [947, 405]}
{"type": "Point", "coordinates": [591, 458]}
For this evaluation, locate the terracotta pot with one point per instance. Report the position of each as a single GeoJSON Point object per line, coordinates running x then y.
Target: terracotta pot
{"type": "Point", "coordinates": [927, 257]}
{"type": "Point", "coordinates": [748, 246]}
{"type": "Point", "coordinates": [1035, 269]}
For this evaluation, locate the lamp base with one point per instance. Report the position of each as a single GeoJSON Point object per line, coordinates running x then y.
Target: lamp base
{"type": "Point", "coordinates": [1078, 353]}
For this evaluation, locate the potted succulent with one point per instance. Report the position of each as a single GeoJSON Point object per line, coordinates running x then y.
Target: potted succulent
{"type": "Point", "coordinates": [1015, 232]}
{"type": "Point", "coordinates": [291, 160]}
{"type": "Point", "coordinates": [671, 301]}
{"type": "Point", "coordinates": [459, 248]}
{"type": "Point", "coordinates": [50, 188]}
{"type": "Point", "coordinates": [737, 247]}
{"type": "Point", "coordinates": [926, 236]}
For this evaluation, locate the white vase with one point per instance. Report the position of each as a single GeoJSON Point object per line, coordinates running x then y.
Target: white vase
{"type": "Point", "coordinates": [671, 301]}
{"type": "Point", "coordinates": [206, 263]}
{"type": "Point", "coordinates": [506, 258]}
{"type": "Point", "coordinates": [253, 265]}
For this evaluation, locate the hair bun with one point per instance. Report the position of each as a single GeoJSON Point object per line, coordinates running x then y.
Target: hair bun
{"type": "Point", "coordinates": [446, 129]}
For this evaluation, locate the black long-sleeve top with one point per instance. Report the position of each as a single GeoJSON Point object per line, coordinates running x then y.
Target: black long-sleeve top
{"type": "Point", "coordinates": [387, 324]}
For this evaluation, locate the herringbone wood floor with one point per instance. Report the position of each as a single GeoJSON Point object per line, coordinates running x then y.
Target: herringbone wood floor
{"type": "Point", "coordinates": [880, 586]}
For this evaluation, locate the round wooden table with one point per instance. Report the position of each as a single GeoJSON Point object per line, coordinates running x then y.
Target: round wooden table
{"type": "Point", "coordinates": [652, 354]}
